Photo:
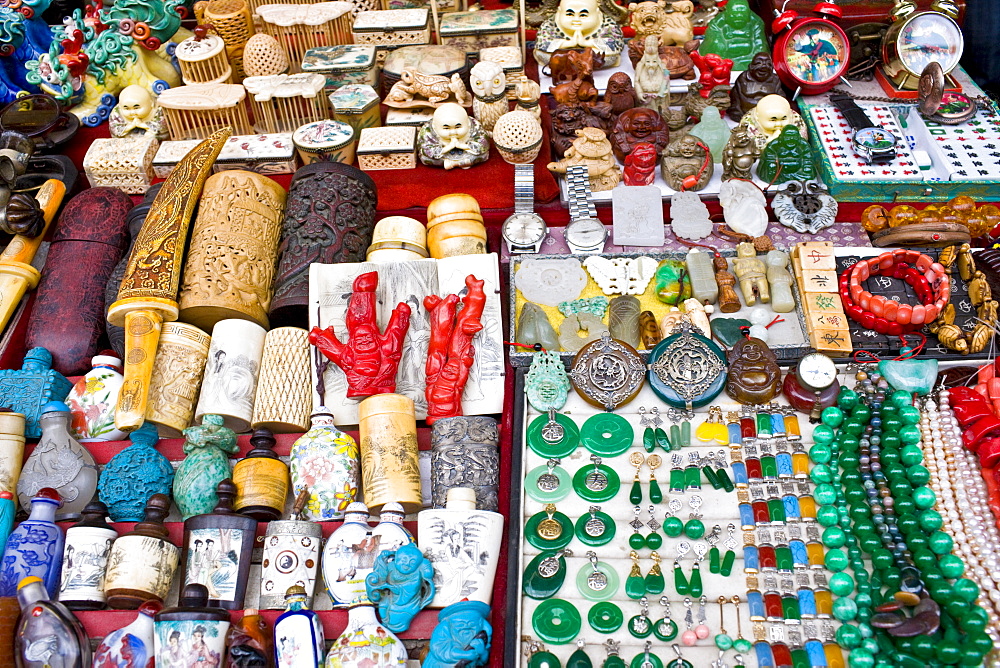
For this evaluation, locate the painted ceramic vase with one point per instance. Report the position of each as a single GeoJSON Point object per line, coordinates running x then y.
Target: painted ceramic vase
{"type": "Point", "coordinates": [93, 400]}
{"type": "Point", "coordinates": [135, 474]}
{"type": "Point", "coordinates": [248, 642]}
{"type": "Point", "coordinates": [324, 460]}
{"type": "Point", "coordinates": [11, 450]}
{"type": "Point", "coordinates": [291, 557]}
{"type": "Point", "coordinates": [130, 646]}
{"type": "Point", "coordinates": [365, 642]}
{"type": "Point", "coordinates": [191, 634]}
{"type": "Point", "coordinates": [389, 533]}
{"type": "Point", "coordinates": [261, 480]}
{"type": "Point", "coordinates": [349, 556]}
{"type": "Point", "coordinates": [85, 557]}
{"type": "Point", "coordinates": [207, 447]}
{"type": "Point", "coordinates": [47, 633]}
{"type": "Point", "coordinates": [60, 463]}
{"type": "Point", "coordinates": [142, 563]}
{"type": "Point", "coordinates": [463, 636]}
{"type": "Point", "coordinates": [447, 536]}
{"type": "Point", "coordinates": [34, 547]}
{"type": "Point", "coordinates": [298, 633]}
{"type": "Point", "coordinates": [217, 549]}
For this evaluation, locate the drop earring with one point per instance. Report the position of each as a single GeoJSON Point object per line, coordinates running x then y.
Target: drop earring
{"type": "Point", "coordinates": [653, 539]}
{"type": "Point", "coordinates": [635, 495]}
{"type": "Point", "coordinates": [651, 421]}
{"type": "Point", "coordinates": [636, 541]}
{"type": "Point", "coordinates": [635, 587]}
{"type": "Point", "coordinates": [672, 525]}
{"type": "Point", "coordinates": [680, 582]}
{"type": "Point", "coordinates": [689, 637]}
{"type": "Point", "coordinates": [653, 462]}
{"type": "Point", "coordinates": [639, 625]}
{"type": "Point", "coordinates": [702, 629]}
{"type": "Point", "coordinates": [654, 579]}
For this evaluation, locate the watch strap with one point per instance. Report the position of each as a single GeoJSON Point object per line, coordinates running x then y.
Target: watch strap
{"type": "Point", "coordinates": [578, 183]}
{"type": "Point", "coordinates": [524, 188]}
{"type": "Point", "coordinates": [855, 115]}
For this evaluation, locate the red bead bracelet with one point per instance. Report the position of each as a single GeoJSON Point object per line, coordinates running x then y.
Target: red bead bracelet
{"type": "Point", "coordinates": [927, 278]}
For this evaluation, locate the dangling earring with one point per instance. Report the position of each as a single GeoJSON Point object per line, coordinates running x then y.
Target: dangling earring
{"type": "Point", "coordinates": [666, 628]}
{"type": "Point", "coordinates": [676, 474]}
{"type": "Point", "coordinates": [579, 658]}
{"type": "Point", "coordinates": [635, 587]}
{"type": "Point", "coordinates": [613, 660]}
{"type": "Point", "coordinates": [680, 582]}
{"type": "Point", "coordinates": [651, 423]}
{"type": "Point", "coordinates": [689, 637]}
{"type": "Point", "coordinates": [714, 558]}
{"type": "Point", "coordinates": [654, 579]}
{"type": "Point", "coordinates": [653, 539]}
{"type": "Point", "coordinates": [639, 625]}
{"type": "Point", "coordinates": [702, 629]}
{"type": "Point", "coordinates": [636, 541]}
{"type": "Point", "coordinates": [730, 545]}
{"type": "Point", "coordinates": [653, 462]}
{"type": "Point", "coordinates": [695, 587]}
{"type": "Point", "coordinates": [635, 495]}
{"type": "Point", "coordinates": [672, 525]}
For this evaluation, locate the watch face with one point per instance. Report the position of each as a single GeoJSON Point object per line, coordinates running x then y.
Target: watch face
{"type": "Point", "coordinates": [929, 37]}
{"type": "Point", "coordinates": [816, 52]}
{"type": "Point", "coordinates": [875, 139]}
{"type": "Point", "coordinates": [816, 371]}
{"type": "Point", "coordinates": [955, 108]}
{"type": "Point", "coordinates": [586, 233]}
{"type": "Point", "coordinates": [524, 229]}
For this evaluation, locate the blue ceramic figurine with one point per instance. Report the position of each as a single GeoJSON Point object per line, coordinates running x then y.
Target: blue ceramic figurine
{"type": "Point", "coordinates": [401, 585]}
{"type": "Point", "coordinates": [135, 474]}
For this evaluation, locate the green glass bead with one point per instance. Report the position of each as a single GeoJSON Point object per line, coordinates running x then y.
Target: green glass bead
{"type": "Point", "coordinates": [860, 658]}
{"type": "Point", "coordinates": [827, 516]}
{"type": "Point", "coordinates": [820, 453]}
{"type": "Point", "coordinates": [579, 659]}
{"type": "Point", "coordinates": [823, 434]}
{"type": "Point", "coordinates": [905, 505]}
{"type": "Point", "coordinates": [854, 427]}
{"type": "Point", "coordinates": [909, 434]}
{"type": "Point", "coordinates": [847, 399]}
{"type": "Point", "coordinates": [965, 589]}
{"type": "Point", "coordinates": [862, 414]}
{"type": "Point", "coordinates": [835, 560]}
{"type": "Point", "coordinates": [948, 652]}
{"type": "Point", "coordinates": [975, 619]}
{"type": "Point", "coordinates": [680, 582]}
{"type": "Point", "coordinates": [714, 560]}
{"type": "Point", "coordinates": [923, 647]}
{"type": "Point", "coordinates": [727, 563]}
{"type": "Point", "coordinates": [951, 566]}
{"type": "Point", "coordinates": [940, 542]}
{"type": "Point", "coordinates": [694, 529]}
{"type": "Point", "coordinates": [870, 645]}
{"type": "Point", "coordinates": [655, 495]}
{"type": "Point", "coordinates": [662, 440]}
{"type": "Point", "coordinates": [930, 520]}
{"type": "Point", "coordinates": [694, 584]}
{"type": "Point", "coordinates": [635, 587]}
{"type": "Point", "coordinates": [976, 646]}
{"type": "Point", "coordinates": [848, 636]}
{"type": "Point", "coordinates": [825, 494]}
{"type": "Point", "coordinates": [648, 439]}
{"type": "Point", "coordinates": [890, 441]}
{"type": "Point", "coordinates": [882, 558]}
{"type": "Point", "coordinates": [821, 473]}
{"type": "Point", "coordinates": [742, 645]}
{"type": "Point", "coordinates": [654, 582]}
{"type": "Point", "coordinates": [673, 526]}
{"type": "Point", "coordinates": [918, 475]}
{"type": "Point", "coordinates": [834, 537]}
{"type": "Point", "coordinates": [901, 399]}
{"type": "Point", "coordinates": [637, 541]}
{"type": "Point", "coordinates": [724, 641]}
{"type": "Point", "coordinates": [832, 416]}
{"type": "Point", "coordinates": [841, 584]}
{"type": "Point", "coordinates": [654, 541]}
{"type": "Point", "coordinates": [544, 660]}
{"type": "Point", "coordinates": [924, 497]}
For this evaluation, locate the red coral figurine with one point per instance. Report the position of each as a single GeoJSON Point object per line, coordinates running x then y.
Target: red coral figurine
{"type": "Point", "coordinates": [640, 165]}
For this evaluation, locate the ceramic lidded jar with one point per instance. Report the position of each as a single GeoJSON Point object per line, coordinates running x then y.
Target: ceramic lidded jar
{"type": "Point", "coordinates": [291, 557]}
{"type": "Point", "coordinates": [398, 239]}
{"type": "Point", "coordinates": [191, 630]}
{"type": "Point", "coordinates": [135, 474]}
{"type": "Point", "coordinates": [349, 556]}
{"type": "Point", "coordinates": [11, 449]}
{"type": "Point", "coordinates": [465, 453]}
{"type": "Point", "coordinates": [298, 633]}
{"type": "Point", "coordinates": [365, 642]}
{"type": "Point", "coordinates": [47, 633]}
{"type": "Point", "coordinates": [59, 462]}
{"type": "Point", "coordinates": [261, 480]}
{"type": "Point", "coordinates": [85, 558]}
{"type": "Point", "coordinates": [207, 448]}
{"type": "Point", "coordinates": [131, 646]}
{"type": "Point", "coordinates": [34, 547]}
{"type": "Point", "coordinates": [324, 461]}
{"type": "Point", "coordinates": [93, 400]}
{"type": "Point", "coordinates": [389, 457]}
{"type": "Point", "coordinates": [142, 563]}
{"type": "Point", "coordinates": [325, 141]}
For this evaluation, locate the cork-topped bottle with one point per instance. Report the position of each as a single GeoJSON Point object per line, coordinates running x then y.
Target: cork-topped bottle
{"type": "Point", "coordinates": [291, 556]}
{"type": "Point", "coordinates": [85, 558]}
{"type": "Point", "coordinates": [217, 550]}
{"type": "Point", "coordinates": [142, 563]}
{"type": "Point", "coordinates": [261, 480]}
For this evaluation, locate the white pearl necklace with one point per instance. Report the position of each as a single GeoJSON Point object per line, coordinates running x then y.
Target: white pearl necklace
{"type": "Point", "coordinates": [963, 503]}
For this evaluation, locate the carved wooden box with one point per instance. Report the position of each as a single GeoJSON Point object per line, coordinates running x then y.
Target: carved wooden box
{"type": "Point", "coordinates": [387, 148]}
{"type": "Point", "coordinates": [472, 31]}
{"type": "Point", "coordinates": [391, 28]}
{"type": "Point", "coordinates": [126, 164]}
{"type": "Point", "coordinates": [265, 154]}
{"type": "Point", "coordinates": [342, 64]}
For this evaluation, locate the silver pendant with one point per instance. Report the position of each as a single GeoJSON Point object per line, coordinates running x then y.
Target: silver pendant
{"type": "Point", "coordinates": [548, 482]}
{"type": "Point", "coordinates": [805, 206]}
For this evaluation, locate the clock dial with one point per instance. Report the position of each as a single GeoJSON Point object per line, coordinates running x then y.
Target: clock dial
{"type": "Point", "coordinates": [586, 232]}
{"type": "Point", "coordinates": [817, 371]}
{"type": "Point", "coordinates": [929, 37]}
{"type": "Point", "coordinates": [815, 52]}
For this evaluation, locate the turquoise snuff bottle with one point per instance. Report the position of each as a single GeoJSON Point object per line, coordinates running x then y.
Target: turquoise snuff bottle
{"type": "Point", "coordinates": [135, 474]}
{"type": "Point", "coordinates": [207, 448]}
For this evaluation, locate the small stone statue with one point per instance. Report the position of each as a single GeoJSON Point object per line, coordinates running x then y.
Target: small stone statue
{"type": "Point", "coordinates": [639, 126]}
{"type": "Point", "coordinates": [671, 26]}
{"type": "Point", "coordinates": [578, 24]}
{"type": "Point", "coordinates": [651, 82]}
{"type": "Point", "coordinates": [780, 281]}
{"type": "Point", "coordinates": [401, 585]}
{"type": "Point", "coordinates": [591, 148]}
{"type": "Point", "coordinates": [489, 93]}
{"type": "Point", "coordinates": [715, 71]}
{"type": "Point", "coordinates": [28, 389]}
{"type": "Point", "coordinates": [452, 139]}
{"type": "Point", "coordinates": [640, 165]}
{"type": "Point", "coordinates": [739, 156]}
{"type": "Point", "coordinates": [137, 114]}
{"type": "Point", "coordinates": [729, 301]}
{"type": "Point", "coordinates": [527, 93]}
{"type": "Point", "coordinates": [566, 120]}
{"type": "Point", "coordinates": [787, 158]}
{"type": "Point", "coordinates": [757, 82]}
{"type": "Point", "coordinates": [620, 93]}
{"type": "Point", "coordinates": [462, 637]}
{"type": "Point", "coordinates": [752, 274]}
{"type": "Point", "coordinates": [416, 89]}
{"type": "Point", "coordinates": [744, 207]}
{"type": "Point", "coordinates": [713, 131]}
{"type": "Point", "coordinates": [689, 218]}
{"type": "Point", "coordinates": [737, 33]}
{"type": "Point", "coordinates": [765, 121]}
{"type": "Point", "coordinates": [754, 375]}
{"type": "Point", "coordinates": [687, 164]}
{"type": "Point", "coordinates": [207, 448]}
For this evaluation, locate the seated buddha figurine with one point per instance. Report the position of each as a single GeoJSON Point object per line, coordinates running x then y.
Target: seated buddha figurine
{"type": "Point", "coordinates": [787, 158]}
{"type": "Point", "coordinates": [452, 139]}
{"type": "Point", "coordinates": [737, 33]}
{"type": "Point", "coordinates": [766, 121]}
{"type": "Point", "coordinates": [137, 114]}
{"type": "Point", "coordinates": [754, 376]}
{"type": "Point", "coordinates": [578, 24]}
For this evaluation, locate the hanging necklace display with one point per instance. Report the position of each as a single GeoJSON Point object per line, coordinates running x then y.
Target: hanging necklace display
{"type": "Point", "coordinates": [811, 53]}
{"type": "Point", "coordinates": [687, 370]}
{"type": "Point", "coordinates": [607, 373]}
{"type": "Point", "coordinates": [597, 483]}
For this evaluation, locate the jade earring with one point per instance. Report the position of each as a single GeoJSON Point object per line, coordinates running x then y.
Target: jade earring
{"type": "Point", "coordinates": [694, 528]}
{"type": "Point", "coordinates": [646, 658]}
{"type": "Point", "coordinates": [636, 541]}
{"type": "Point", "coordinates": [676, 474]}
{"type": "Point", "coordinates": [545, 574]}
{"type": "Point", "coordinates": [741, 644]}
{"type": "Point", "coordinates": [652, 423]}
{"type": "Point", "coordinates": [695, 587]}
{"type": "Point", "coordinates": [548, 483]}
{"type": "Point", "coordinates": [666, 628]}
{"type": "Point", "coordinates": [653, 539]}
{"type": "Point", "coordinates": [635, 586]}
{"type": "Point", "coordinates": [722, 639]}
{"type": "Point", "coordinates": [692, 473]}
{"type": "Point", "coordinates": [654, 579]}
{"type": "Point", "coordinates": [714, 557]}
{"type": "Point", "coordinates": [635, 495]}
{"type": "Point", "coordinates": [672, 525]}
{"type": "Point", "coordinates": [680, 582]}
{"type": "Point", "coordinates": [680, 661]}
{"type": "Point", "coordinates": [653, 462]}
{"type": "Point", "coordinates": [721, 475]}
{"type": "Point", "coordinates": [639, 625]}
{"type": "Point", "coordinates": [713, 429]}
{"type": "Point", "coordinates": [613, 660]}
{"type": "Point", "coordinates": [730, 558]}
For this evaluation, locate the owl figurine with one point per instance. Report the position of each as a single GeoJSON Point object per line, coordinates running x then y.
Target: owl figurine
{"type": "Point", "coordinates": [489, 93]}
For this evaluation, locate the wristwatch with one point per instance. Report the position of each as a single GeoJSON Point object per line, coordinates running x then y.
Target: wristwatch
{"type": "Point", "coordinates": [524, 230]}
{"type": "Point", "coordinates": [585, 234]}
{"type": "Point", "coordinates": [872, 142]}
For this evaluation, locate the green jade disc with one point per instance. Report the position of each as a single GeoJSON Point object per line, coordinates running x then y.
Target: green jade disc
{"type": "Point", "coordinates": [556, 495]}
{"type": "Point", "coordinates": [537, 541]}
{"type": "Point", "coordinates": [556, 621]}
{"type": "Point", "coordinates": [589, 533]}
{"type": "Point", "coordinates": [606, 434]}
{"type": "Point", "coordinates": [595, 588]}
{"type": "Point", "coordinates": [564, 447]}
{"type": "Point", "coordinates": [605, 617]}
{"type": "Point", "coordinates": [596, 486]}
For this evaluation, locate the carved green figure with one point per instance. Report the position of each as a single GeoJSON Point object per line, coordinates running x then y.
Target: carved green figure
{"type": "Point", "coordinates": [736, 33]}
{"type": "Point", "coordinates": [207, 447]}
{"type": "Point", "coordinates": [673, 285]}
{"type": "Point", "coordinates": [401, 585]}
{"type": "Point", "coordinates": [792, 153]}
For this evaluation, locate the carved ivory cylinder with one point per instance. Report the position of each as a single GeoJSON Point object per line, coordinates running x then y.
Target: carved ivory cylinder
{"type": "Point", "coordinates": [284, 391]}
{"type": "Point", "coordinates": [230, 264]}
{"type": "Point", "coordinates": [231, 373]}
{"type": "Point", "coordinates": [11, 451]}
{"type": "Point", "coordinates": [390, 469]}
{"type": "Point", "coordinates": [177, 372]}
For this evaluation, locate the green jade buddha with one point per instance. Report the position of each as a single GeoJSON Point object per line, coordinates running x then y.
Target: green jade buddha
{"type": "Point", "coordinates": [736, 33]}
{"type": "Point", "coordinates": [787, 158]}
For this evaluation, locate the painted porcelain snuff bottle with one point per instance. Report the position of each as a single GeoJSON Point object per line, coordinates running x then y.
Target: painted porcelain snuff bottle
{"type": "Point", "coordinates": [34, 547]}
{"type": "Point", "coordinates": [135, 474]}
{"type": "Point", "coordinates": [93, 400]}
{"type": "Point", "coordinates": [324, 460]}
{"type": "Point", "coordinates": [191, 634]}
{"type": "Point", "coordinates": [298, 633]}
{"type": "Point", "coordinates": [249, 642]}
{"type": "Point", "coordinates": [365, 642]}
{"type": "Point", "coordinates": [349, 556]}
{"type": "Point", "coordinates": [47, 633]}
{"type": "Point", "coordinates": [28, 389]}
{"type": "Point", "coordinates": [261, 480]}
{"type": "Point", "coordinates": [447, 535]}
{"type": "Point", "coordinates": [85, 557]}
{"type": "Point", "coordinates": [207, 448]}
{"type": "Point", "coordinates": [291, 557]}
{"type": "Point", "coordinates": [401, 585]}
{"type": "Point", "coordinates": [389, 533]}
{"type": "Point", "coordinates": [142, 563]}
{"type": "Point", "coordinates": [59, 462]}
{"type": "Point", "coordinates": [463, 636]}
{"type": "Point", "coordinates": [130, 646]}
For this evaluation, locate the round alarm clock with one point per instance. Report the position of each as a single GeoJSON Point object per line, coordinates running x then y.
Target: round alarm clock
{"type": "Point", "coordinates": [915, 39]}
{"type": "Point", "coordinates": [811, 53]}
{"type": "Point", "coordinates": [813, 385]}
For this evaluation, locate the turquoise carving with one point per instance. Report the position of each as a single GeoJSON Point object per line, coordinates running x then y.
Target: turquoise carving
{"type": "Point", "coordinates": [135, 474]}
{"type": "Point", "coordinates": [463, 636]}
{"type": "Point", "coordinates": [401, 585]}
{"type": "Point", "coordinates": [596, 305]}
{"type": "Point", "coordinates": [35, 384]}
{"type": "Point", "coordinates": [547, 384]}
{"type": "Point", "coordinates": [207, 447]}
{"type": "Point", "coordinates": [910, 375]}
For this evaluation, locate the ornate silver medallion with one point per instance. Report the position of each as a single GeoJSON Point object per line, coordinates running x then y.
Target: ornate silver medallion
{"type": "Point", "coordinates": [688, 365]}
{"type": "Point", "coordinates": [607, 372]}
{"type": "Point", "coordinates": [805, 206]}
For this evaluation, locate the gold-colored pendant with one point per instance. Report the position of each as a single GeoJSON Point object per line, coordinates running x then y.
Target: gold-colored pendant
{"type": "Point", "coordinates": [549, 528]}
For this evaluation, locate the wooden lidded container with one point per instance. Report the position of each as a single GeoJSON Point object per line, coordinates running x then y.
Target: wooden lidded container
{"type": "Point", "coordinates": [232, 21]}
{"type": "Point", "coordinates": [398, 239]}
{"type": "Point", "coordinates": [455, 226]}
{"type": "Point", "coordinates": [261, 480]}
{"type": "Point", "coordinates": [196, 111]}
{"type": "Point", "coordinates": [11, 450]}
{"type": "Point", "coordinates": [142, 563]}
{"type": "Point", "coordinates": [204, 59]}
{"type": "Point", "coordinates": [231, 374]}
{"type": "Point", "coordinates": [390, 469]}
{"type": "Point", "coordinates": [284, 400]}
{"type": "Point", "coordinates": [233, 250]}
{"type": "Point", "coordinates": [177, 371]}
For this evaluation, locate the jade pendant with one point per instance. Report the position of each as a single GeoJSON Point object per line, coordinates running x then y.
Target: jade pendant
{"type": "Point", "coordinates": [694, 586]}
{"type": "Point", "coordinates": [639, 626]}
{"type": "Point", "coordinates": [545, 575]}
{"type": "Point", "coordinates": [579, 659]}
{"type": "Point", "coordinates": [595, 528]}
{"type": "Point", "coordinates": [635, 495]}
{"type": "Point", "coordinates": [648, 439]}
{"type": "Point", "coordinates": [665, 629]}
{"type": "Point", "coordinates": [544, 660]}
{"type": "Point", "coordinates": [597, 483]}
{"type": "Point", "coordinates": [613, 662]}
{"type": "Point", "coordinates": [680, 582]}
{"type": "Point", "coordinates": [646, 660]}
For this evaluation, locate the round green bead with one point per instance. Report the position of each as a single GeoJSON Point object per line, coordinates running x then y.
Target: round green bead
{"type": "Point", "coordinates": [820, 453]}
{"type": "Point", "coordinates": [930, 520]}
{"type": "Point", "coordinates": [976, 646]}
{"type": "Point", "coordinates": [654, 541]}
{"type": "Point", "coordinates": [904, 505]}
{"type": "Point", "coordinates": [940, 542]}
{"type": "Point", "coordinates": [823, 434]}
{"type": "Point", "coordinates": [870, 645]}
{"type": "Point", "coordinates": [845, 609]}
{"type": "Point", "coordinates": [724, 641]}
{"type": "Point", "coordinates": [951, 566]}
{"type": "Point", "coordinates": [841, 584]}
{"type": "Point", "coordinates": [901, 399]}
{"type": "Point", "coordinates": [834, 537]}
{"type": "Point", "coordinates": [825, 494]}
{"type": "Point", "coordinates": [742, 645]}
{"type": "Point", "coordinates": [918, 475]}
{"type": "Point", "coordinates": [974, 620]}
{"type": "Point", "coordinates": [909, 414]}
{"type": "Point", "coordinates": [832, 416]}
{"type": "Point", "coordinates": [890, 441]}
{"type": "Point", "coordinates": [891, 424]}
{"type": "Point", "coordinates": [835, 560]}
{"type": "Point", "coordinates": [860, 658]}
{"type": "Point", "coordinates": [882, 558]}
{"type": "Point", "coordinates": [848, 636]}
{"type": "Point", "coordinates": [909, 434]}
{"type": "Point", "coordinates": [948, 652]}
{"type": "Point", "coordinates": [924, 497]}
{"type": "Point", "coordinates": [694, 529]}
{"type": "Point", "coordinates": [847, 399]}
{"type": "Point", "coordinates": [923, 647]}
{"type": "Point", "coordinates": [827, 516]}
{"type": "Point", "coordinates": [821, 473]}
{"type": "Point", "coordinates": [911, 455]}
{"type": "Point", "coordinates": [965, 589]}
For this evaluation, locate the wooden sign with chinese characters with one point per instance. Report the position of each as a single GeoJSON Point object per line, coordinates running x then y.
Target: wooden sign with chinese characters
{"type": "Point", "coordinates": [816, 275]}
